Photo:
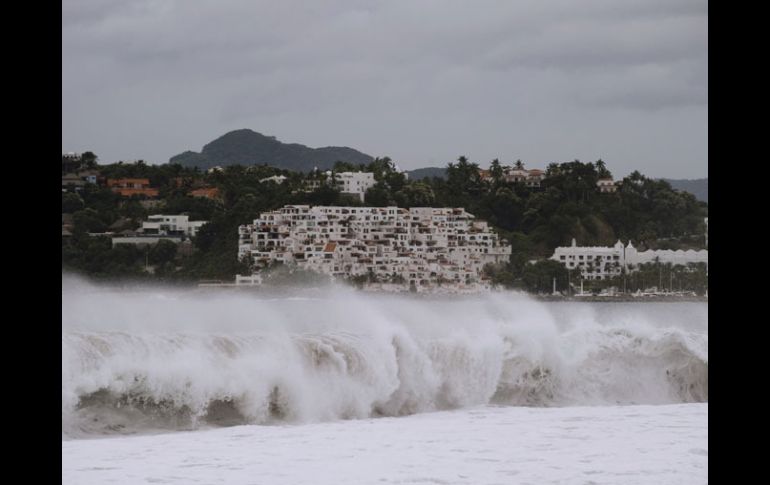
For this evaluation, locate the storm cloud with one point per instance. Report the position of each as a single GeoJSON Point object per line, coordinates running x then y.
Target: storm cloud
{"type": "Point", "coordinates": [422, 81]}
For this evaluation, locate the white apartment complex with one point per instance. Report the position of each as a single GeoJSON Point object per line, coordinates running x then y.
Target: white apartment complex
{"type": "Point", "coordinates": [421, 247]}
{"type": "Point", "coordinates": [601, 262]}
{"type": "Point", "coordinates": [177, 225]}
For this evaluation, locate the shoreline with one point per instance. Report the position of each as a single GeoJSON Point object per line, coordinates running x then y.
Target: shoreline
{"type": "Point", "coordinates": [624, 298]}
{"type": "Point", "coordinates": [272, 291]}
{"type": "Point", "coordinates": [316, 290]}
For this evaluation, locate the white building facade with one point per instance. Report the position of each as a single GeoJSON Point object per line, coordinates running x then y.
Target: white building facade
{"type": "Point", "coordinates": [176, 225]}
{"type": "Point", "coordinates": [418, 247]}
{"type": "Point", "coordinates": [355, 183]}
{"type": "Point", "coordinates": [531, 178]}
{"type": "Point", "coordinates": [607, 185]}
{"type": "Point", "coordinates": [601, 262]}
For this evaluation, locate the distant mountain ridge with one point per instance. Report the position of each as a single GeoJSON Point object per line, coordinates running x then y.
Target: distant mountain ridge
{"type": "Point", "coordinates": [430, 172]}
{"type": "Point", "coordinates": [247, 147]}
{"type": "Point", "coordinates": [697, 187]}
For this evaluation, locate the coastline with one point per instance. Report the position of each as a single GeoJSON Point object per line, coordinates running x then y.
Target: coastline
{"type": "Point", "coordinates": [624, 298]}
{"type": "Point", "coordinates": [277, 290]}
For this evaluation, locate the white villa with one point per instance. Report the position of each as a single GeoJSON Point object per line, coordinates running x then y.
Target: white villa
{"type": "Point", "coordinates": [601, 262]}
{"type": "Point", "coordinates": [423, 247]}
{"type": "Point", "coordinates": [530, 178]}
{"type": "Point", "coordinates": [176, 228]}
{"type": "Point", "coordinates": [355, 183]}
{"type": "Point", "coordinates": [351, 183]}
{"type": "Point", "coordinates": [178, 225]}
{"type": "Point", "coordinates": [607, 185]}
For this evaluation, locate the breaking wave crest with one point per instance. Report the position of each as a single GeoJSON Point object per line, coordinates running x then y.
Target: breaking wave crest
{"type": "Point", "coordinates": [136, 361]}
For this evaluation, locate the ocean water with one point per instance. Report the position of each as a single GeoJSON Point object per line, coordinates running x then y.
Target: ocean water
{"type": "Point", "coordinates": [333, 386]}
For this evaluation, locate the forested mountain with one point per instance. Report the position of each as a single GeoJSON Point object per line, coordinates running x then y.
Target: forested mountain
{"type": "Point", "coordinates": [247, 147]}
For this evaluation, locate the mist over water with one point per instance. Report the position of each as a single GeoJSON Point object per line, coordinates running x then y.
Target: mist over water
{"type": "Point", "coordinates": [143, 359]}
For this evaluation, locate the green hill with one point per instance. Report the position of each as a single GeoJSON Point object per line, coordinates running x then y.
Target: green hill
{"type": "Point", "coordinates": [247, 147]}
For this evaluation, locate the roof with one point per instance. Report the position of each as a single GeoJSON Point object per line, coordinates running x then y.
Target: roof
{"type": "Point", "coordinates": [111, 182]}
{"type": "Point", "coordinates": [330, 247]}
{"type": "Point", "coordinates": [209, 192]}
{"type": "Point", "coordinates": [127, 191]}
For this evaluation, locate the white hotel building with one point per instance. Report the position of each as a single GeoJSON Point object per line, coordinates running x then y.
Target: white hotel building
{"type": "Point", "coordinates": [355, 183]}
{"type": "Point", "coordinates": [601, 262]}
{"type": "Point", "coordinates": [350, 183]}
{"type": "Point", "coordinates": [421, 247]}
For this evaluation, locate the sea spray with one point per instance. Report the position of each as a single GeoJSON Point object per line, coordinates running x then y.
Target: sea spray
{"type": "Point", "coordinates": [157, 358]}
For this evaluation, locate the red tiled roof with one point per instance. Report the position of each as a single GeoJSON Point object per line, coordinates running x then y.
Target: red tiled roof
{"type": "Point", "coordinates": [208, 192]}
{"type": "Point", "coordinates": [124, 182]}
{"type": "Point", "coordinates": [128, 192]}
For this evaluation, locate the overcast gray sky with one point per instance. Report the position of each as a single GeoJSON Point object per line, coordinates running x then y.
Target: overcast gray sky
{"type": "Point", "coordinates": [422, 81]}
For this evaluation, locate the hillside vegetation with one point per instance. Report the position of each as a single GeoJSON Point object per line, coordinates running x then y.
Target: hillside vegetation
{"type": "Point", "coordinates": [534, 220]}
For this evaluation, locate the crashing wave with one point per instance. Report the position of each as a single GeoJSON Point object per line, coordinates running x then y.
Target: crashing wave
{"type": "Point", "coordinates": [187, 362]}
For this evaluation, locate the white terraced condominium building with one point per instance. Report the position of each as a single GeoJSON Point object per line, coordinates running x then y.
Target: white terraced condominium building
{"type": "Point", "coordinates": [602, 262]}
{"type": "Point", "coordinates": [421, 247]}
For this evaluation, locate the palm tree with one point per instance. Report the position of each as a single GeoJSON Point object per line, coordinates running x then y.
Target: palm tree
{"type": "Point", "coordinates": [622, 272]}
{"type": "Point", "coordinates": [601, 168]}
{"type": "Point", "coordinates": [89, 159]}
{"type": "Point", "coordinates": [497, 171]}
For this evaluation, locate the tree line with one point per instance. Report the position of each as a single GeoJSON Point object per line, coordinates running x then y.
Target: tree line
{"type": "Point", "coordinates": [534, 220]}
